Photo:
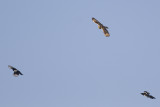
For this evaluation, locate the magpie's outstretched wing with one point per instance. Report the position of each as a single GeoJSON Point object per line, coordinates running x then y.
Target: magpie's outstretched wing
{"type": "Point", "coordinates": [11, 67]}
{"type": "Point", "coordinates": [146, 92]}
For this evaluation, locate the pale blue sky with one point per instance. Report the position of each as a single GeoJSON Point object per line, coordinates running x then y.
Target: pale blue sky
{"type": "Point", "coordinates": [68, 62]}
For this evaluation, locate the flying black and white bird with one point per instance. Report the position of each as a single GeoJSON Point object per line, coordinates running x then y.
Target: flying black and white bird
{"type": "Point", "coordinates": [100, 26]}
{"type": "Point", "coordinates": [147, 94]}
{"type": "Point", "coordinates": [16, 72]}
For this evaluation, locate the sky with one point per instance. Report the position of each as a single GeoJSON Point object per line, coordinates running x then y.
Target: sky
{"type": "Point", "coordinates": [68, 62]}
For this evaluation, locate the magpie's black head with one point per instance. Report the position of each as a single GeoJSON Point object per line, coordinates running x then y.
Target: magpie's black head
{"type": "Point", "coordinates": [142, 93]}
{"type": "Point", "coordinates": [93, 18]}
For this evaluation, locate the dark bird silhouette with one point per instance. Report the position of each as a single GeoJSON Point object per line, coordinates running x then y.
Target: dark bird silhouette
{"type": "Point", "coordinates": [147, 94]}
{"type": "Point", "coordinates": [16, 72]}
{"type": "Point", "coordinates": [100, 26]}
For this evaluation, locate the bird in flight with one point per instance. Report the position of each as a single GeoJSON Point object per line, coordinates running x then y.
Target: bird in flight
{"type": "Point", "coordinates": [147, 94]}
{"type": "Point", "coordinates": [101, 26]}
{"type": "Point", "coordinates": [16, 72]}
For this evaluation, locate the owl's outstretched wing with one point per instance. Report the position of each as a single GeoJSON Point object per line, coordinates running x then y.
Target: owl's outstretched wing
{"type": "Point", "coordinates": [105, 31]}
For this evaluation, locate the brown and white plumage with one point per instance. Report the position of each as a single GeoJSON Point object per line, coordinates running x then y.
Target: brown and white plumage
{"type": "Point", "coordinates": [101, 26]}
{"type": "Point", "coordinates": [16, 72]}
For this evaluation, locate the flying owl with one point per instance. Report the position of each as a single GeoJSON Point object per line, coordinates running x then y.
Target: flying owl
{"type": "Point", "coordinates": [100, 26]}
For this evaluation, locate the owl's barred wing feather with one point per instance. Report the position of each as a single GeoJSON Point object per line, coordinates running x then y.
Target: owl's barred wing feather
{"type": "Point", "coordinates": [105, 31]}
{"type": "Point", "coordinates": [95, 21]}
